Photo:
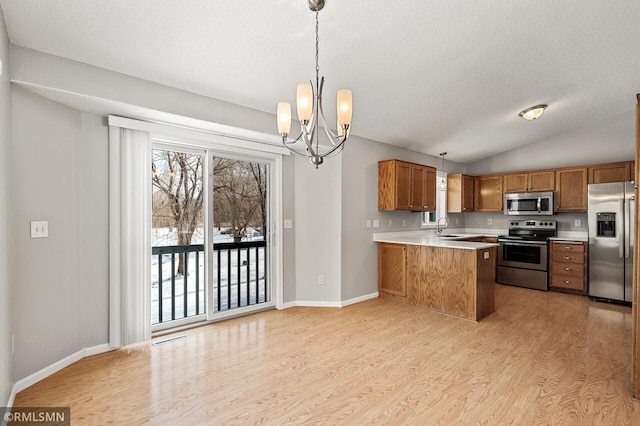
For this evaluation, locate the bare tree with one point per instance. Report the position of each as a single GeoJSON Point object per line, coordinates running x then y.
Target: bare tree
{"type": "Point", "coordinates": [178, 177]}
{"type": "Point", "coordinates": [238, 198]}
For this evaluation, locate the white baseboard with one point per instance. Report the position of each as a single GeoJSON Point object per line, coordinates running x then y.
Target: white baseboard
{"type": "Point", "coordinates": [341, 304]}
{"type": "Point", "coordinates": [34, 378]}
{"type": "Point", "coordinates": [287, 305]}
{"type": "Point", "coordinates": [359, 299]}
{"type": "Point", "coordinates": [319, 304]}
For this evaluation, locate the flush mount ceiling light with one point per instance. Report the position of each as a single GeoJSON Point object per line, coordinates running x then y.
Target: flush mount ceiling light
{"type": "Point", "coordinates": [309, 106]}
{"type": "Point", "coordinates": [532, 113]}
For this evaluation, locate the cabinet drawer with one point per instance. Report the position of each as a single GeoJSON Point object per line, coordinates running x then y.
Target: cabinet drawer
{"type": "Point", "coordinates": [567, 257]}
{"type": "Point", "coordinates": [564, 281]}
{"type": "Point", "coordinates": [572, 269]}
{"type": "Point", "coordinates": [568, 247]}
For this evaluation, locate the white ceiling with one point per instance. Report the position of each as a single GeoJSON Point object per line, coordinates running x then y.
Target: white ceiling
{"type": "Point", "coordinates": [431, 76]}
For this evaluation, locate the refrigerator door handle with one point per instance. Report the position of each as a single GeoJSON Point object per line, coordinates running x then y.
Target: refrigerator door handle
{"type": "Point", "coordinates": [627, 224]}
{"type": "Point", "coordinates": [620, 231]}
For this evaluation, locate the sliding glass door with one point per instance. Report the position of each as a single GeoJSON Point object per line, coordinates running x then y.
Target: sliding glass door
{"type": "Point", "coordinates": [211, 216]}
{"type": "Point", "coordinates": [178, 284]}
{"type": "Point", "coordinates": [240, 229]}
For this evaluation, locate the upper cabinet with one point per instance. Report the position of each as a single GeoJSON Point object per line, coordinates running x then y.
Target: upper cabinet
{"type": "Point", "coordinates": [530, 182]}
{"type": "Point", "coordinates": [488, 193]}
{"type": "Point", "coordinates": [571, 190]}
{"type": "Point", "coordinates": [406, 186]}
{"type": "Point", "coordinates": [459, 193]}
{"type": "Point", "coordinates": [614, 172]}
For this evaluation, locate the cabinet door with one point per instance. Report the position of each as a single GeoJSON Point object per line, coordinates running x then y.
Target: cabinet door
{"type": "Point", "coordinates": [488, 193]}
{"type": "Point", "coordinates": [429, 189]}
{"type": "Point", "coordinates": [542, 181]}
{"type": "Point", "coordinates": [515, 182]}
{"type": "Point", "coordinates": [392, 270]}
{"type": "Point", "coordinates": [605, 173]}
{"type": "Point", "coordinates": [459, 193]}
{"type": "Point", "coordinates": [403, 186]}
{"type": "Point", "coordinates": [571, 189]}
{"type": "Point", "coordinates": [418, 177]}
{"type": "Point", "coordinates": [467, 193]}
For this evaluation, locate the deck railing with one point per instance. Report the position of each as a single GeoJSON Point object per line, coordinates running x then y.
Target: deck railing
{"type": "Point", "coordinates": [238, 279]}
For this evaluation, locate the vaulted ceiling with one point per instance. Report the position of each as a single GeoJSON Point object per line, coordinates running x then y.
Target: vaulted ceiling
{"type": "Point", "coordinates": [430, 76]}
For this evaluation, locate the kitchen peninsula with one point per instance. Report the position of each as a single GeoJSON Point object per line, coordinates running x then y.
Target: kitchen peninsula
{"type": "Point", "coordinates": [453, 274]}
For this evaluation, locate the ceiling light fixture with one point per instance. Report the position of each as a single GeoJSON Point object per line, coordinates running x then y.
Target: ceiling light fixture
{"type": "Point", "coordinates": [309, 107]}
{"type": "Point", "coordinates": [443, 184]}
{"type": "Point", "coordinates": [532, 113]}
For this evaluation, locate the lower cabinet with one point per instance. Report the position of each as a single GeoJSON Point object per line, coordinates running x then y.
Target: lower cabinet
{"type": "Point", "coordinates": [392, 270]}
{"type": "Point", "coordinates": [568, 266]}
{"type": "Point", "coordinates": [454, 281]}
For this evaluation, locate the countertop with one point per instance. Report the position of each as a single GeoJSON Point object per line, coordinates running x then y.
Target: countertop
{"type": "Point", "coordinates": [421, 238]}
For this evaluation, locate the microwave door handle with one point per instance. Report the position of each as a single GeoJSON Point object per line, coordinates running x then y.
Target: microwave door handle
{"type": "Point", "coordinates": [539, 201]}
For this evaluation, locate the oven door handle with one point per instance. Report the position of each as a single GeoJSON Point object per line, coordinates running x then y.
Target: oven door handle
{"type": "Point", "coordinates": [522, 243]}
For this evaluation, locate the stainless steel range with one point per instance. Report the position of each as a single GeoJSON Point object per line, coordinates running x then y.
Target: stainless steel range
{"type": "Point", "coordinates": [522, 255]}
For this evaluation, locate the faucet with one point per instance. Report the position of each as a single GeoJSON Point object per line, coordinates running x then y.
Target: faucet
{"type": "Point", "coordinates": [440, 228]}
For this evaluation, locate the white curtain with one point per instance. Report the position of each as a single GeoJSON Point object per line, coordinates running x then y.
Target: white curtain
{"type": "Point", "coordinates": [129, 236]}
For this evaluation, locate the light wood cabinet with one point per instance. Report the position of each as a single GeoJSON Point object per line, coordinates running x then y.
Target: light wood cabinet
{"type": "Point", "coordinates": [392, 270]}
{"type": "Point", "coordinates": [406, 186]}
{"type": "Point", "coordinates": [529, 182]}
{"type": "Point", "coordinates": [454, 281]}
{"type": "Point", "coordinates": [568, 265]}
{"type": "Point", "coordinates": [459, 193]}
{"type": "Point", "coordinates": [488, 193]}
{"type": "Point", "coordinates": [571, 190]}
{"type": "Point", "coordinates": [613, 172]}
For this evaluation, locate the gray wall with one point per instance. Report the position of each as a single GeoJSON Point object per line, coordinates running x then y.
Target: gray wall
{"type": "Point", "coordinates": [360, 203]}
{"type": "Point", "coordinates": [59, 174]}
{"type": "Point", "coordinates": [609, 140]}
{"type": "Point", "coordinates": [6, 305]}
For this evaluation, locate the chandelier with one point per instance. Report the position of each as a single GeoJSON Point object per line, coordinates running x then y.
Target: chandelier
{"type": "Point", "coordinates": [309, 108]}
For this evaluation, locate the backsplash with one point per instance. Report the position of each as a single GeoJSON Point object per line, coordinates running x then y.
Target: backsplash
{"type": "Point", "coordinates": [566, 221]}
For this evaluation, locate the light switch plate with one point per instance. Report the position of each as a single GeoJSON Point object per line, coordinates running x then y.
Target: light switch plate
{"type": "Point", "coordinates": [288, 224]}
{"type": "Point", "coordinates": [39, 229]}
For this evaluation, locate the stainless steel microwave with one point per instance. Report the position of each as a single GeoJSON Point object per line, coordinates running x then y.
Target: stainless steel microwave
{"type": "Point", "coordinates": [529, 203]}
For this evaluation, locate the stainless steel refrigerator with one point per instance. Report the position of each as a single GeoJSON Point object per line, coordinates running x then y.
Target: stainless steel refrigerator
{"type": "Point", "coordinates": [611, 229]}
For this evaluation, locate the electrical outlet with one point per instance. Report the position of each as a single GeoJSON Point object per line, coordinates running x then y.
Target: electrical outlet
{"type": "Point", "coordinates": [578, 222]}
{"type": "Point", "coordinates": [390, 223]}
{"type": "Point", "coordinates": [321, 279]}
{"type": "Point", "coordinates": [39, 228]}
{"type": "Point", "coordinates": [288, 224]}
{"type": "Point", "coordinates": [489, 221]}
{"type": "Point", "coordinates": [486, 254]}
{"type": "Point", "coordinates": [457, 221]}
{"type": "Point", "coordinates": [404, 222]}
{"type": "Point", "coordinates": [376, 223]}
{"type": "Point", "coordinates": [368, 223]}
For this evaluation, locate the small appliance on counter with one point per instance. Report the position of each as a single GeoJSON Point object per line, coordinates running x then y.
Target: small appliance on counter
{"type": "Point", "coordinates": [611, 226]}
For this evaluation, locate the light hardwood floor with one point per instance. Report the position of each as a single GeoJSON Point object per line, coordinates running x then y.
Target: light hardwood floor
{"type": "Point", "coordinates": [541, 358]}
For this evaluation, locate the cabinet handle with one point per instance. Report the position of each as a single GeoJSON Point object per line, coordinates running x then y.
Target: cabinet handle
{"type": "Point", "coordinates": [566, 257]}
{"type": "Point", "coordinates": [567, 269]}
{"type": "Point", "coordinates": [567, 282]}
{"type": "Point", "coordinates": [567, 248]}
